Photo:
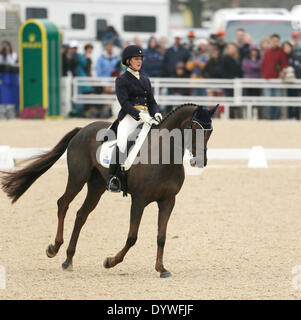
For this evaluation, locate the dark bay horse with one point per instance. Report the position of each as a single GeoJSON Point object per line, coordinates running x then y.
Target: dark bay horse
{"type": "Point", "coordinates": [146, 182]}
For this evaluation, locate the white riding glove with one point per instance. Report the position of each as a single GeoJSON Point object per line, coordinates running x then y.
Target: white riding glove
{"type": "Point", "coordinates": [158, 117]}
{"type": "Point", "coordinates": [145, 117]}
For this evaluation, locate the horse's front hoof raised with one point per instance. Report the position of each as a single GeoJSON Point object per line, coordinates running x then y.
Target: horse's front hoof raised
{"type": "Point", "coordinates": [165, 274]}
{"type": "Point", "coordinates": [50, 251]}
{"type": "Point", "coordinates": [67, 267]}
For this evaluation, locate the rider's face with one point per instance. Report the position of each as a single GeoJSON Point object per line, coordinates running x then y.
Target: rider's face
{"type": "Point", "coordinates": [136, 63]}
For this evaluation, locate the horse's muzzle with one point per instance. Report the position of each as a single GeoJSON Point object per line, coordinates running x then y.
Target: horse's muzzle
{"type": "Point", "coordinates": [199, 163]}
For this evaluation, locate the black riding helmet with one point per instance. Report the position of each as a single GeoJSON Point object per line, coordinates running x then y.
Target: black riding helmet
{"type": "Point", "coordinates": [131, 51]}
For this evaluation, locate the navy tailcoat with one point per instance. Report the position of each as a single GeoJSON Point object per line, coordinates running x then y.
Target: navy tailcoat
{"type": "Point", "coordinates": [130, 92]}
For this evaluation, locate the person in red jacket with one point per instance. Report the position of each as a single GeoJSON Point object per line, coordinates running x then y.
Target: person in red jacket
{"type": "Point", "coordinates": [274, 61]}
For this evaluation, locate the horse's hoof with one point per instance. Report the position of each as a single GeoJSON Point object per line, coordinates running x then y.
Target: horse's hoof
{"type": "Point", "coordinates": [106, 263]}
{"type": "Point", "coordinates": [50, 251]}
{"type": "Point", "coordinates": [67, 267]}
{"type": "Point", "coordinates": [166, 274]}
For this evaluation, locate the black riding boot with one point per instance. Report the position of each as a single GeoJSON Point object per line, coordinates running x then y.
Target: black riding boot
{"type": "Point", "coordinates": [113, 182]}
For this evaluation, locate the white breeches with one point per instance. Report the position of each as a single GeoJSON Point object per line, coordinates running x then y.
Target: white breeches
{"type": "Point", "coordinates": [125, 127]}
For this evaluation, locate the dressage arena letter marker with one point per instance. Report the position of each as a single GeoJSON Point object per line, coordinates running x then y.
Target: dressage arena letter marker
{"type": "Point", "coordinates": [6, 158]}
{"type": "Point", "coordinates": [257, 158]}
{"type": "Point", "coordinates": [2, 278]}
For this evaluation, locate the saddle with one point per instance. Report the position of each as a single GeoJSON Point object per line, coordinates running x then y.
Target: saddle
{"type": "Point", "coordinates": [134, 144]}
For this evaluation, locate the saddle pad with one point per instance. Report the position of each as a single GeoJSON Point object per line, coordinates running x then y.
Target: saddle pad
{"type": "Point", "coordinates": [105, 153]}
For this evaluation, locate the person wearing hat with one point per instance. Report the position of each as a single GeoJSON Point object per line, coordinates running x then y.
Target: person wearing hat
{"type": "Point", "coordinates": [220, 41]}
{"type": "Point", "coordinates": [177, 52]}
{"type": "Point", "coordinates": [138, 105]}
{"type": "Point", "coordinates": [191, 45]}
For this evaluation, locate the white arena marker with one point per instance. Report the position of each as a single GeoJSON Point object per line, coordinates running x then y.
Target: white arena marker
{"type": "Point", "coordinates": [6, 158]}
{"type": "Point", "coordinates": [257, 158]}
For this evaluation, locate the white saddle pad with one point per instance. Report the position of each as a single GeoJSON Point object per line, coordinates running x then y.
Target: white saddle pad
{"type": "Point", "coordinates": [105, 153]}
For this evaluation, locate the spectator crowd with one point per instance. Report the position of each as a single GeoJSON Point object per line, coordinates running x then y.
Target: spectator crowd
{"type": "Point", "coordinates": [189, 57]}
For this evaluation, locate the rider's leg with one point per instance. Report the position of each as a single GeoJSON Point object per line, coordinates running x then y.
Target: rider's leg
{"type": "Point", "coordinates": [113, 183]}
{"type": "Point", "coordinates": [126, 126]}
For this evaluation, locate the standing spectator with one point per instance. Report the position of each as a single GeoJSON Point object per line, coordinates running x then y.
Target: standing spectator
{"type": "Point", "coordinates": [231, 69]}
{"type": "Point", "coordinates": [163, 45]}
{"type": "Point", "coordinates": [214, 70]}
{"type": "Point", "coordinates": [120, 67]}
{"type": "Point", "coordinates": [242, 44]}
{"type": "Point", "coordinates": [137, 41]}
{"type": "Point", "coordinates": [248, 40]}
{"type": "Point", "coordinates": [274, 61]}
{"type": "Point", "coordinates": [251, 65]}
{"type": "Point", "coordinates": [179, 72]}
{"type": "Point", "coordinates": [65, 60]}
{"type": "Point", "coordinates": [78, 64]}
{"type": "Point", "coordinates": [72, 57]}
{"type": "Point", "coordinates": [105, 67]}
{"type": "Point", "coordinates": [9, 81]}
{"type": "Point", "coordinates": [295, 41]}
{"type": "Point", "coordinates": [294, 62]}
{"type": "Point", "coordinates": [191, 39]}
{"type": "Point", "coordinates": [230, 63]}
{"type": "Point", "coordinates": [174, 54]}
{"type": "Point", "coordinates": [112, 36]}
{"type": "Point", "coordinates": [265, 43]}
{"type": "Point", "coordinates": [220, 41]}
{"type": "Point", "coordinates": [152, 60]}
{"type": "Point", "coordinates": [107, 61]}
{"type": "Point", "coordinates": [196, 65]}
{"type": "Point", "coordinates": [7, 56]}
{"type": "Point", "coordinates": [87, 53]}
{"type": "Point", "coordinates": [251, 68]}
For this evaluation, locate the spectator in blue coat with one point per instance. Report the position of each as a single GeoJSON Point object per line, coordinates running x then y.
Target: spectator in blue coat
{"type": "Point", "coordinates": [152, 60]}
{"type": "Point", "coordinates": [107, 61]}
{"type": "Point", "coordinates": [174, 54]}
{"type": "Point", "coordinates": [78, 65]}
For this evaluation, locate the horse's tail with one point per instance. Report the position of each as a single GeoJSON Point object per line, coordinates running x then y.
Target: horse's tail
{"type": "Point", "coordinates": [17, 182]}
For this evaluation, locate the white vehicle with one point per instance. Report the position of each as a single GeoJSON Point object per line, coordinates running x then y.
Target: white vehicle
{"type": "Point", "coordinates": [87, 20]}
{"type": "Point", "coordinates": [258, 22]}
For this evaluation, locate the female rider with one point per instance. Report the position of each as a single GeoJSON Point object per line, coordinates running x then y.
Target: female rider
{"type": "Point", "coordinates": [138, 105]}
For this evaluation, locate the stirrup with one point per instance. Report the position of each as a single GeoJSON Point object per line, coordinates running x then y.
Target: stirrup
{"type": "Point", "coordinates": [114, 184]}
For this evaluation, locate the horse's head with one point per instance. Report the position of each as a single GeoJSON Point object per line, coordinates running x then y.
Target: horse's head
{"type": "Point", "coordinates": [201, 123]}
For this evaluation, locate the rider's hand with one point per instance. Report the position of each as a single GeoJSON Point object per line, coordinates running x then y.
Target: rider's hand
{"type": "Point", "coordinates": [145, 117]}
{"type": "Point", "coordinates": [158, 117]}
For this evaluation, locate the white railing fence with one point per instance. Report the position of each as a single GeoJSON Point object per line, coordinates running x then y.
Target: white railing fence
{"type": "Point", "coordinates": [161, 86]}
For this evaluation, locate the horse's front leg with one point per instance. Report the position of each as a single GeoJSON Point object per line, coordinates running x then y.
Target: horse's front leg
{"type": "Point", "coordinates": [136, 214]}
{"type": "Point", "coordinates": [165, 209]}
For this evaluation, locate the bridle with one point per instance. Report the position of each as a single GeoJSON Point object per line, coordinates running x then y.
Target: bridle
{"type": "Point", "coordinates": [203, 126]}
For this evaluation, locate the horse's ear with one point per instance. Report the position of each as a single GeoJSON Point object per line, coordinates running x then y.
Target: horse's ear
{"type": "Point", "coordinates": [212, 111]}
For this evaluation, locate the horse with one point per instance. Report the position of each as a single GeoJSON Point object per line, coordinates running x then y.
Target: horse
{"type": "Point", "coordinates": [147, 183]}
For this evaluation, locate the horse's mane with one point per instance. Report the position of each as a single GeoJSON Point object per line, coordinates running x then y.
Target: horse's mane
{"type": "Point", "coordinates": [185, 105]}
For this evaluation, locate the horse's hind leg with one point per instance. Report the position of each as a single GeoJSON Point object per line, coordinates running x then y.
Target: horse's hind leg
{"type": "Point", "coordinates": [96, 187]}
{"type": "Point", "coordinates": [136, 215]}
{"type": "Point", "coordinates": [165, 209]}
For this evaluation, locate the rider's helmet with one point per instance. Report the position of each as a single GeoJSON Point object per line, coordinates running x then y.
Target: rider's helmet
{"type": "Point", "coordinates": [131, 51]}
